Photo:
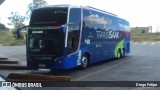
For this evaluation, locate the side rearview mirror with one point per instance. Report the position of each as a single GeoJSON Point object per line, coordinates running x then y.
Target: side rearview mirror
{"type": "Point", "coordinates": [18, 31]}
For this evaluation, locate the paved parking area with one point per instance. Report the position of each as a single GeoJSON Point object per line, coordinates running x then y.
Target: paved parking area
{"type": "Point", "coordinates": [142, 64]}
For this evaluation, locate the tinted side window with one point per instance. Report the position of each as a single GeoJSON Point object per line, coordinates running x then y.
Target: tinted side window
{"type": "Point", "coordinates": [74, 30]}
{"type": "Point", "coordinates": [88, 19]}
{"type": "Point", "coordinates": [95, 20]}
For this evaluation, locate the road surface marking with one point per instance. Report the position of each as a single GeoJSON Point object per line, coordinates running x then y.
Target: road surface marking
{"type": "Point", "coordinates": [144, 43]}
{"type": "Point", "coordinates": [153, 43]}
{"type": "Point", "coordinates": [108, 68]}
{"type": "Point", "coordinates": [135, 43]}
{"type": "Point", "coordinates": [99, 71]}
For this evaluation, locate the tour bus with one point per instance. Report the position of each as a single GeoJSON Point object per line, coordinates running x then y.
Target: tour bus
{"type": "Point", "coordinates": [67, 36]}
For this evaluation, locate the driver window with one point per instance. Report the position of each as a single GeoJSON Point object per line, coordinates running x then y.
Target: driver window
{"type": "Point", "coordinates": [74, 30]}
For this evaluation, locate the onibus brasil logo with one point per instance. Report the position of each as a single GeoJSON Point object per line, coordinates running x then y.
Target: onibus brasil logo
{"type": "Point", "coordinates": [20, 84]}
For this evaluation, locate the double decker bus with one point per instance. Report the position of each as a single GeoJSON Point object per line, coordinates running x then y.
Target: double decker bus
{"type": "Point", "coordinates": [67, 36]}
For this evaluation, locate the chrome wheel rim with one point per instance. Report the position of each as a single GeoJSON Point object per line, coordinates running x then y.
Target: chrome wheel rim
{"type": "Point", "coordinates": [119, 54]}
{"type": "Point", "coordinates": [84, 61]}
{"type": "Point", "coordinates": [122, 53]}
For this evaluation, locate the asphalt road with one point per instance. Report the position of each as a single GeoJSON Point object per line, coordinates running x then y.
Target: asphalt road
{"type": "Point", "coordinates": [142, 64]}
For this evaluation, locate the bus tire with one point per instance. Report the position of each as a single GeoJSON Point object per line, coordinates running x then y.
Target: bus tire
{"type": "Point", "coordinates": [123, 53]}
{"type": "Point", "coordinates": [119, 54]}
{"type": "Point", "coordinates": [84, 61]}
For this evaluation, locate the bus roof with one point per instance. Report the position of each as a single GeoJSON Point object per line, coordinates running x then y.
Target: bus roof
{"type": "Point", "coordinates": [101, 10]}
{"type": "Point", "coordinates": [79, 6]}
{"type": "Point", "coordinates": [65, 5]}
{"type": "Point", "coordinates": [88, 7]}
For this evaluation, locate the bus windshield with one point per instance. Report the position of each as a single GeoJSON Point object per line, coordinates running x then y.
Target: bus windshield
{"type": "Point", "coordinates": [50, 16]}
{"type": "Point", "coordinates": [46, 42]}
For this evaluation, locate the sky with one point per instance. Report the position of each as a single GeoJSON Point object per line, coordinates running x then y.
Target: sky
{"type": "Point", "coordinates": [139, 13]}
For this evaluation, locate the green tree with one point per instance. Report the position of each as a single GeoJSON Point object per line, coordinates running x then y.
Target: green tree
{"type": "Point", "coordinates": [16, 19]}
{"type": "Point", "coordinates": [35, 4]}
{"type": "Point", "coordinates": [143, 31]}
{"type": "Point", "coordinates": [2, 27]}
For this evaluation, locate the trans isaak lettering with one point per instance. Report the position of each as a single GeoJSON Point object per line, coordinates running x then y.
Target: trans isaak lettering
{"type": "Point", "coordinates": [108, 34]}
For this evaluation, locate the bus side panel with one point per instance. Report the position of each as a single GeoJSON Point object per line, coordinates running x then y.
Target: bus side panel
{"type": "Point", "coordinates": [98, 49]}
{"type": "Point", "coordinates": [104, 49]}
{"type": "Point", "coordinates": [71, 61]}
{"type": "Point", "coordinates": [103, 40]}
{"type": "Point", "coordinates": [127, 43]}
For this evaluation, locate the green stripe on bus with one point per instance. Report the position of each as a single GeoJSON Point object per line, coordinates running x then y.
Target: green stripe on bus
{"type": "Point", "coordinates": [120, 45]}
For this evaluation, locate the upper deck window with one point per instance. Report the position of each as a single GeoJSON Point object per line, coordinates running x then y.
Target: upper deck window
{"type": "Point", "coordinates": [52, 16]}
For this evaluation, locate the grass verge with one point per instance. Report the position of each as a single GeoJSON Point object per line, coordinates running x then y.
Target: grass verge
{"type": "Point", "coordinates": [8, 39]}
{"type": "Point", "coordinates": [145, 37]}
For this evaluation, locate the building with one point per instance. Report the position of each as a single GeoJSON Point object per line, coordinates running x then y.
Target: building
{"type": "Point", "coordinates": [140, 30]}
{"type": "Point", "coordinates": [154, 29]}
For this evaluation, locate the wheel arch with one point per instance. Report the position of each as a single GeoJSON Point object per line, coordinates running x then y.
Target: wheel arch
{"type": "Point", "coordinates": [88, 56]}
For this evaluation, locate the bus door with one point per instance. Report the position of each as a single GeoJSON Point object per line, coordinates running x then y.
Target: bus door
{"type": "Point", "coordinates": [74, 30]}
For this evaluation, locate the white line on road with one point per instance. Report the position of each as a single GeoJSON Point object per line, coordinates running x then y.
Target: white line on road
{"type": "Point", "coordinates": [153, 43]}
{"type": "Point", "coordinates": [144, 43]}
{"type": "Point", "coordinates": [135, 43]}
{"type": "Point", "coordinates": [99, 71]}
{"type": "Point", "coordinates": [107, 68]}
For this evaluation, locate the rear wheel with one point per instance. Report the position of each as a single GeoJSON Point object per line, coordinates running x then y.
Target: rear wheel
{"type": "Point", "coordinates": [84, 61]}
{"type": "Point", "coordinates": [123, 53]}
{"type": "Point", "coordinates": [119, 54]}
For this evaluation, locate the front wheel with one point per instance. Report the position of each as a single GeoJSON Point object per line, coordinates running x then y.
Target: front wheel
{"type": "Point", "coordinates": [84, 61]}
